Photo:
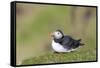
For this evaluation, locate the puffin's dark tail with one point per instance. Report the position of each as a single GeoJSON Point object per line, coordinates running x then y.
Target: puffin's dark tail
{"type": "Point", "coordinates": [81, 44]}
{"type": "Point", "coordinates": [79, 40]}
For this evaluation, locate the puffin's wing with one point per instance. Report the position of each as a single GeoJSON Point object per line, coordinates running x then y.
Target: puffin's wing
{"type": "Point", "coordinates": [67, 42]}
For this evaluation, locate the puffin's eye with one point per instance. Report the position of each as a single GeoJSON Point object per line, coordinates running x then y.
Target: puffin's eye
{"type": "Point", "coordinates": [58, 33]}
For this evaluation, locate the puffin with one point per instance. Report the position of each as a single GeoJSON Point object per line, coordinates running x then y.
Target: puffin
{"type": "Point", "coordinates": [64, 43]}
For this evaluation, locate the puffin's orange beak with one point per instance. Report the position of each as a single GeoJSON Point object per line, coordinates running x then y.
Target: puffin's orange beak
{"type": "Point", "coordinates": [51, 34]}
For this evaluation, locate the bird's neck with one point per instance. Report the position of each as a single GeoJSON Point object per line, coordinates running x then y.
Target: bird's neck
{"type": "Point", "coordinates": [58, 40]}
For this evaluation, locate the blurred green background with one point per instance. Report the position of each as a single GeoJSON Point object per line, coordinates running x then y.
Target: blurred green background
{"type": "Point", "coordinates": [35, 22]}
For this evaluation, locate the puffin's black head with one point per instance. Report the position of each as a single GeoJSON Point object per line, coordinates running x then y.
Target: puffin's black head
{"type": "Point", "coordinates": [57, 34]}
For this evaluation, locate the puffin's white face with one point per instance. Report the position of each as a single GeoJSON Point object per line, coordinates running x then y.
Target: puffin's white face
{"type": "Point", "coordinates": [57, 35]}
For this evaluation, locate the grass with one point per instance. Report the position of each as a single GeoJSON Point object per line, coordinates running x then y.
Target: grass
{"type": "Point", "coordinates": [60, 58]}
{"type": "Point", "coordinates": [85, 53]}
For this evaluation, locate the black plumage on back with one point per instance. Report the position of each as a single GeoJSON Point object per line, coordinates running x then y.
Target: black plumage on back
{"type": "Point", "coordinates": [68, 42]}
